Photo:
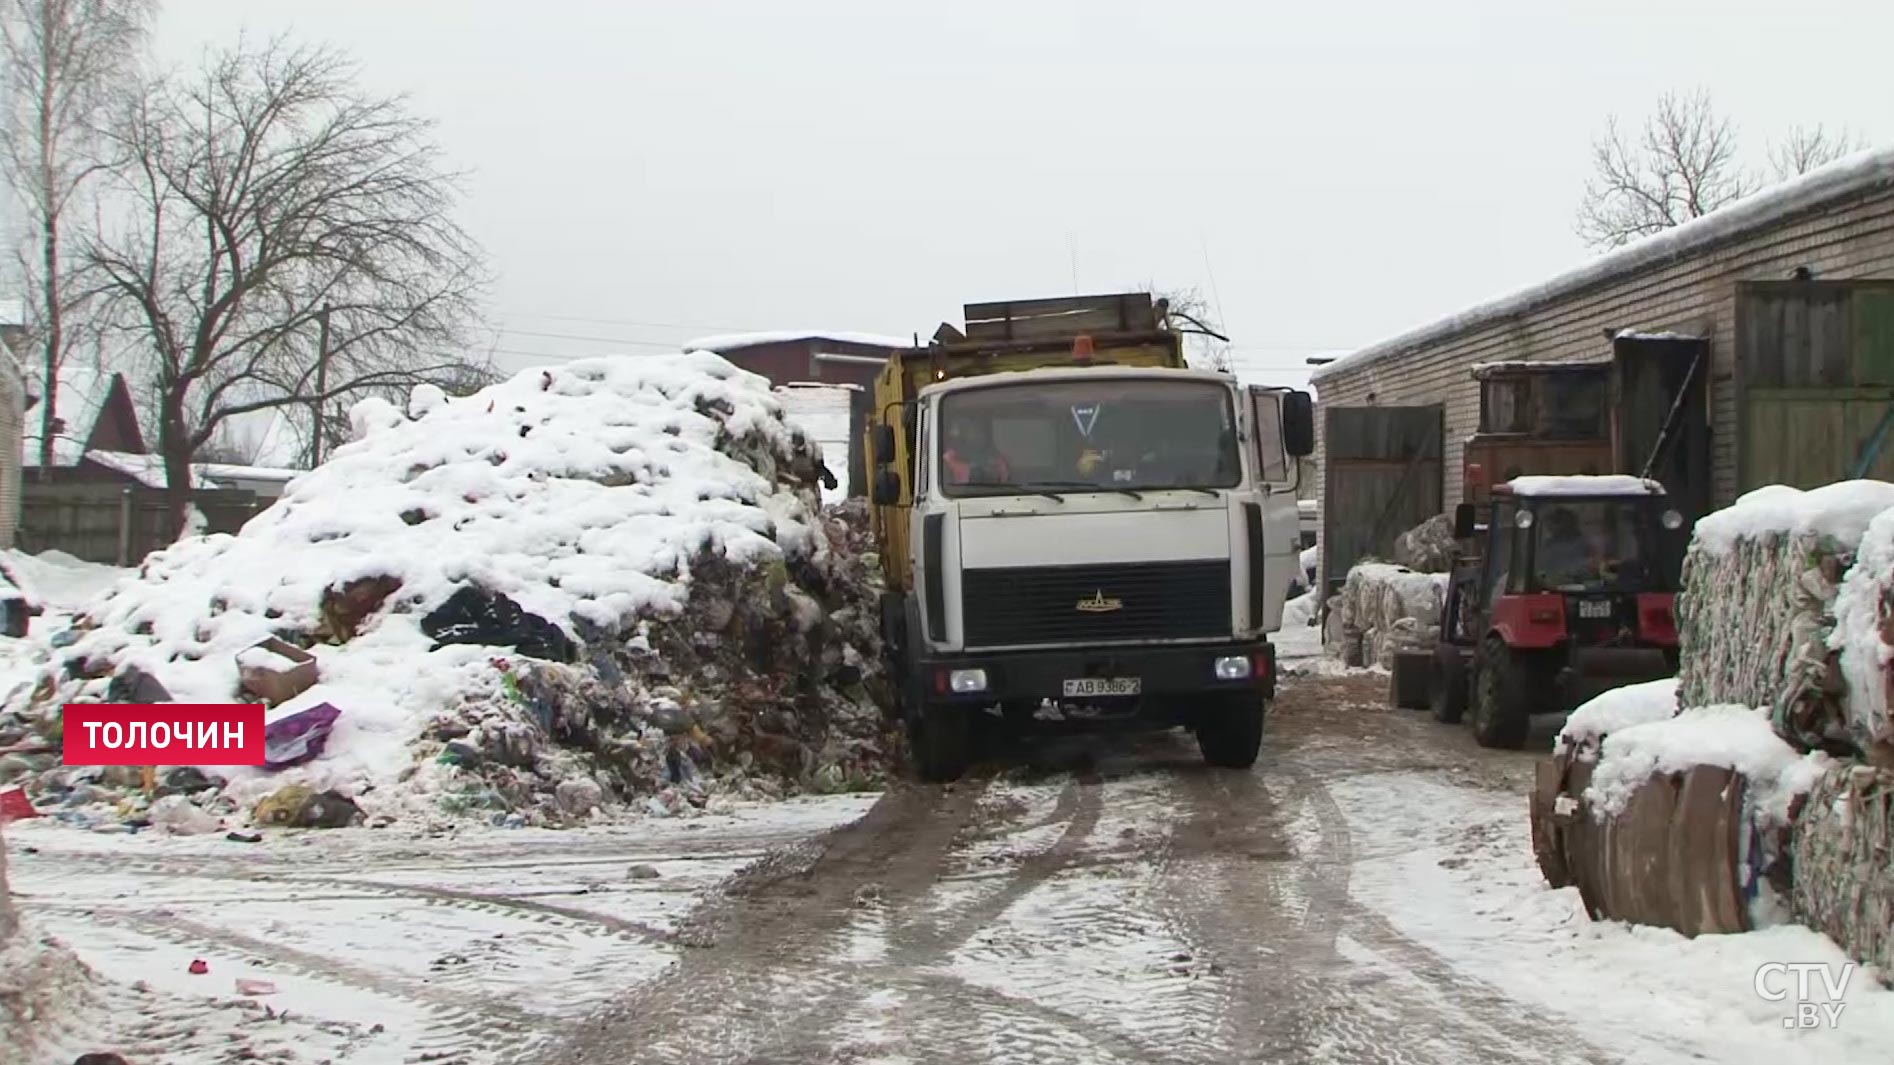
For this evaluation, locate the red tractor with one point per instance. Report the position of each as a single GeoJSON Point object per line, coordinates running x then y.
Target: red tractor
{"type": "Point", "coordinates": [1567, 588]}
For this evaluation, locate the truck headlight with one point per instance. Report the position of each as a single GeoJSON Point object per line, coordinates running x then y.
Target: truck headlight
{"type": "Point", "coordinates": [967, 681]}
{"type": "Point", "coordinates": [1235, 667]}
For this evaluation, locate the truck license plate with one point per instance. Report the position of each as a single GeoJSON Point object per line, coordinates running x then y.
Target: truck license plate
{"type": "Point", "coordinates": [1086, 687]}
{"type": "Point", "coordinates": [1594, 608]}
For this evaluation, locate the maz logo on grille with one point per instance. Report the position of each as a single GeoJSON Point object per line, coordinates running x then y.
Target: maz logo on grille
{"type": "Point", "coordinates": [1098, 604]}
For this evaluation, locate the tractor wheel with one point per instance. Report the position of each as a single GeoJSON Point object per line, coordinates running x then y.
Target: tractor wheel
{"type": "Point", "coordinates": [1449, 703]}
{"type": "Point", "coordinates": [940, 741]}
{"type": "Point", "coordinates": [1502, 698]}
{"type": "Point", "coordinates": [1230, 730]}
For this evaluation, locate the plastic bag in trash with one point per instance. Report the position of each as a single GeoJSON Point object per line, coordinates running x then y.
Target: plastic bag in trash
{"type": "Point", "coordinates": [299, 736]}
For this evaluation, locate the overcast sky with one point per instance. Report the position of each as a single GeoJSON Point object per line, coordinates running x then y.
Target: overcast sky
{"type": "Point", "coordinates": [1329, 175]}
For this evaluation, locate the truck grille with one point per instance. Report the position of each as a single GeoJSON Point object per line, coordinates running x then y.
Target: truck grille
{"type": "Point", "coordinates": [1084, 604]}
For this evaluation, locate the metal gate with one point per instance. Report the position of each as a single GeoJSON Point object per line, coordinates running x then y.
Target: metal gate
{"type": "Point", "coordinates": [1815, 369]}
{"type": "Point", "coordinates": [1383, 477]}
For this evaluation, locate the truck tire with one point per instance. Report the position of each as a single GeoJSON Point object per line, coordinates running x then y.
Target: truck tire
{"type": "Point", "coordinates": [1502, 697]}
{"type": "Point", "coordinates": [1230, 731]}
{"type": "Point", "coordinates": [940, 741]}
{"type": "Point", "coordinates": [1449, 702]}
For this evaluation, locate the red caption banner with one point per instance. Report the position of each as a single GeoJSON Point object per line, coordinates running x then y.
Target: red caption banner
{"type": "Point", "coordinates": [163, 734]}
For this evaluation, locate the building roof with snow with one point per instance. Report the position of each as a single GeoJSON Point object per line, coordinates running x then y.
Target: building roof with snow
{"type": "Point", "coordinates": [95, 411]}
{"type": "Point", "coordinates": [1843, 179]}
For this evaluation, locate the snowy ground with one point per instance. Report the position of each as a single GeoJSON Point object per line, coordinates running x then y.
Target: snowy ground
{"type": "Point", "coordinates": [381, 947]}
{"type": "Point", "coordinates": [1367, 894]}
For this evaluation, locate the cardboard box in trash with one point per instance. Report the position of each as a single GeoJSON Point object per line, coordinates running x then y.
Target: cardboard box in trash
{"type": "Point", "coordinates": [276, 670]}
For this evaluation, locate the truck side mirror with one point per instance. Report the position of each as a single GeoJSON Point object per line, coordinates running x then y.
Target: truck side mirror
{"type": "Point", "coordinates": [887, 487]}
{"type": "Point", "coordinates": [1463, 522]}
{"type": "Point", "coordinates": [1298, 424]}
{"type": "Point", "coordinates": [881, 443]}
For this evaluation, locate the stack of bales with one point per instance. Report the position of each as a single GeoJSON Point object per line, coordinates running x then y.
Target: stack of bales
{"type": "Point", "coordinates": [1786, 626]}
{"type": "Point", "coordinates": [1383, 610]}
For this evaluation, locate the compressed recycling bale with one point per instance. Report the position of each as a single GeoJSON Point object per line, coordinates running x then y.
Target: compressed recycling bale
{"type": "Point", "coordinates": [1842, 846]}
{"type": "Point", "coordinates": [1679, 819]}
{"type": "Point", "coordinates": [1864, 640]}
{"type": "Point", "coordinates": [1757, 609]}
{"type": "Point", "coordinates": [1428, 547]}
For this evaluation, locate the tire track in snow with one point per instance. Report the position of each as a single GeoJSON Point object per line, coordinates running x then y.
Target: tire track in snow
{"type": "Point", "coordinates": [463, 1027]}
{"type": "Point", "coordinates": [762, 976]}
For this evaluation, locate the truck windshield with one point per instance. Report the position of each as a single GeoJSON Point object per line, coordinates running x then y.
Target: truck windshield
{"type": "Point", "coordinates": [1597, 546]}
{"type": "Point", "coordinates": [1125, 434]}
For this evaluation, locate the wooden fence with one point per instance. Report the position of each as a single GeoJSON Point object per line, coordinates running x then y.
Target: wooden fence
{"type": "Point", "coordinates": [118, 525]}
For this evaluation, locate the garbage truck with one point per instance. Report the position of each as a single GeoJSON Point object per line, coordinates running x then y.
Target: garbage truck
{"type": "Point", "coordinates": [1079, 531]}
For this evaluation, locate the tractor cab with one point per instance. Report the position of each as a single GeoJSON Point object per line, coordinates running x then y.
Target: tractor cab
{"type": "Point", "coordinates": [1566, 587]}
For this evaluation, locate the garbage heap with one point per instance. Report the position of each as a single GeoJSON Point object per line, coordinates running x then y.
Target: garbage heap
{"type": "Point", "coordinates": [601, 584]}
{"type": "Point", "coordinates": [1382, 610]}
{"type": "Point", "coordinates": [1755, 787]}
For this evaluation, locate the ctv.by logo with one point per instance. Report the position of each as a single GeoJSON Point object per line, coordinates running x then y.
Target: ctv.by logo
{"type": "Point", "coordinates": [1776, 979]}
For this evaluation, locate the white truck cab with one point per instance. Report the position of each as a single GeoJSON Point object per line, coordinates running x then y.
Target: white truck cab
{"type": "Point", "coordinates": [1118, 541]}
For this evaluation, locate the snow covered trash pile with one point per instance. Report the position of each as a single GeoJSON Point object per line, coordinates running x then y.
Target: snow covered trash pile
{"type": "Point", "coordinates": [1759, 594]}
{"type": "Point", "coordinates": [610, 581]}
{"type": "Point", "coordinates": [1677, 818]}
{"type": "Point", "coordinates": [1382, 610]}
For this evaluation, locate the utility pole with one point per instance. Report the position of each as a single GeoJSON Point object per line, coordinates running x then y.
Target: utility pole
{"type": "Point", "coordinates": [322, 383]}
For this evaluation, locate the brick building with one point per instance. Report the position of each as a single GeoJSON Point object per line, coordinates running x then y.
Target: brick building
{"type": "Point", "coordinates": [1773, 317]}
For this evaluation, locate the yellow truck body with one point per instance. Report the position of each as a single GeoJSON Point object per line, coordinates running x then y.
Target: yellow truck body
{"type": "Point", "coordinates": [1125, 329]}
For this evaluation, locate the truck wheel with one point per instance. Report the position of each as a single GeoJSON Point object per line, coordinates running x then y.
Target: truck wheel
{"type": "Point", "coordinates": [1230, 731]}
{"type": "Point", "coordinates": [941, 742]}
{"type": "Point", "coordinates": [1449, 701]}
{"type": "Point", "coordinates": [1502, 698]}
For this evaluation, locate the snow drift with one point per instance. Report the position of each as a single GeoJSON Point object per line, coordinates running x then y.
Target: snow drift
{"type": "Point", "coordinates": [616, 569]}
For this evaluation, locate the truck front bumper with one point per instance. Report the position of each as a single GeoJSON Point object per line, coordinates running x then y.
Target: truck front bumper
{"type": "Point", "coordinates": [1161, 672]}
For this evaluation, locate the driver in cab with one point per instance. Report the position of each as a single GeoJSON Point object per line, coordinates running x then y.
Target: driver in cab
{"type": "Point", "coordinates": [971, 456]}
{"type": "Point", "coordinates": [1565, 556]}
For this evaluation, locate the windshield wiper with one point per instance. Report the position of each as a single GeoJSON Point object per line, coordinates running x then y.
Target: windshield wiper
{"type": "Point", "coordinates": [1020, 488]}
{"type": "Point", "coordinates": [1194, 488]}
{"type": "Point", "coordinates": [1090, 487]}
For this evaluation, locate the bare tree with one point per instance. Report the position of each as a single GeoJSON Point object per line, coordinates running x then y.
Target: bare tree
{"type": "Point", "coordinates": [68, 62]}
{"type": "Point", "coordinates": [1807, 148]}
{"type": "Point", "coordinates": [1682, 165]}
{"type": "Point", "coordinates": [1205, 347]}
{"type": "Point", "coordinates": [263, 188]}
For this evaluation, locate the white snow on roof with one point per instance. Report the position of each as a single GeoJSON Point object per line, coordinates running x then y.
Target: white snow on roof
{"type": "Point", "coordinates": [147, 470]}
{"type": "Point", "coordinates": [1856, 174]}
{"type": "Point", "coordinates": [742, 340]}
{"type": "Point", "coordinates": [1607, 485]}
{"type": "Point", "coordinates": [83, 391]}
{"type": "Point", "coordinates": [1480, 369]}
{"type": "Point", "coordinates": [1635, 334]}
{"type": "Point", "coordinates": [1840, 511]}
{"type": "Point", "coordinates": [223, 471]}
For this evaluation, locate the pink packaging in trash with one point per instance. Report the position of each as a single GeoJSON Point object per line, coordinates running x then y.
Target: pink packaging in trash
{"type": "Point", "coordinates": [298, 737]}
